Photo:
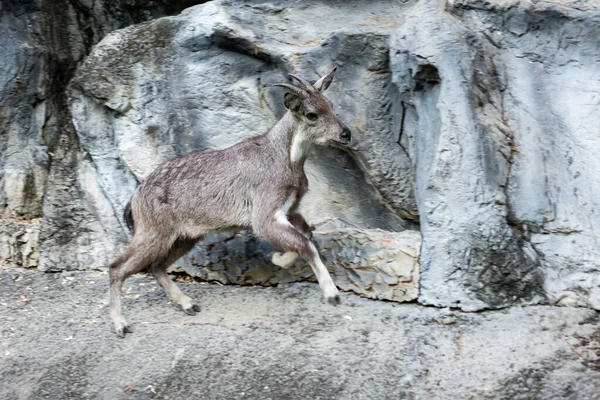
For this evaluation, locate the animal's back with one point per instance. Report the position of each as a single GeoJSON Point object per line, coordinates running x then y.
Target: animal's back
{"type": "Point", "coordinates": [204, 191]}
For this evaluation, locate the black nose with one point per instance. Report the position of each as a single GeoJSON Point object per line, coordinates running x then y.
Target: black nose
{"type": "Point", "coordinates": [346, 135]}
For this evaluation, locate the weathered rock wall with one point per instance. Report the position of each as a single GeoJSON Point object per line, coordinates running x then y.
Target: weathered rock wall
{"type": "Point", "coordinates": [474, 122]}
{"type": "Point", "coordinates": [42, 43]}
{"type": "Point", "coordinates": [503, 119]}
{"type": "Point", "coordinates": [200, 81]}
{"type": "Point", "coordinates": [371, 262]}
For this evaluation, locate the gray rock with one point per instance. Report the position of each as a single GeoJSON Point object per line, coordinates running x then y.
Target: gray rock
{"type": "Point", "coordinates": [373, 263]}
{"type": "Point", "coordinates": [199, 81]}
{"type": "Point", "coordinates": [475, 123]}
{"type": "Point", "coordinates": [499, 99]}
{"type": "Point", "coordinates": [280, 342]}
{"type": "Point", "coordinates": [19, 242]}
{"type": "Point", "coordinates": [42, 43]}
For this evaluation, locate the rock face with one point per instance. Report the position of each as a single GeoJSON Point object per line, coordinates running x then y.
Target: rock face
{"type": "Point", "coordinates": [42, 43]}
{"type": "Point", "coordinates": [502, 105]}
{"type": "Point", "coordinates": [371, 262]}
{"type": "Point", "coordinates": [19, 242]}
{"type": "Point", "coordinates": [200, 81]}
{"type": "Point", "coordinates": [475, 123]}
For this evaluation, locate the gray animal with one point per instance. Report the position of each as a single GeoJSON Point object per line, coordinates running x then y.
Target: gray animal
{"type": "Point", "coordinates": [256, 184]}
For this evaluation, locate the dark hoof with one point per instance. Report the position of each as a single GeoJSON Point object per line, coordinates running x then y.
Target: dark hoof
{"type": "Point", "coordinates": [192, 310]}
{"type": "Point", "coordinates": [121, 331]}
{"type": "Point", "coordinates": [334, 300]}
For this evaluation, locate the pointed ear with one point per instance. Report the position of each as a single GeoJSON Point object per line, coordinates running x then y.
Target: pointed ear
{"type": "Point", "coordinates": [322, 84]}
{"type": "Point", "coordinates": [292, 102]}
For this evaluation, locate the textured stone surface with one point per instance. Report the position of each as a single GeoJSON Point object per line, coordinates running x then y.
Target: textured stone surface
{"type": "Point", "coordinates": [175, 85]}
{"type": "Point", "coordinates": [281, 343]}
{"type": "Point", "coordinates": [373, 263]}
{"type": "Point", "coordinates": [42, 43]}
{"type": "Point", "coordinates": [200, 81]}
{"type": "Point", "coordinates": [19, 242]}
{"type": "Point", "coordinates": [24, 87]}
{"type": "Point", "coordinates": [475, 122]}
{"type": "Point", "coordinates": [502, 121]}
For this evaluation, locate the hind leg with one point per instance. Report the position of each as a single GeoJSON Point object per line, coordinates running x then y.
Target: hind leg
{"type": "Point", "coordinates": [140, 254]}
{"type": "Point", "coordinates": [159, 271]}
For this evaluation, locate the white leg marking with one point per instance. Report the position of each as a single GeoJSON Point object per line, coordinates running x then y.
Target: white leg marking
{"type": "Point", "coordinates": [282, 219]}
{"type": "Point", "coordinates": [284, 260]}
{"type": "Point", "coordinates": [325, 282]}
{"type": "Point", "coordinates": [185, 302]}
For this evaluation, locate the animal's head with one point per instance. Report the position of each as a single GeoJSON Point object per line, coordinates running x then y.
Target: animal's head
{"type": "Point", "coordinates": [318, 122]}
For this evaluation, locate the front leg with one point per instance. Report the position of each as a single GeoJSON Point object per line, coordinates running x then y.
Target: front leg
{"type": "Point", "coordinates": [301, 225]}
{"type": "Point", "coordinates": [286, 260]}
{"type": "Point", "coordinates": [279, 231]}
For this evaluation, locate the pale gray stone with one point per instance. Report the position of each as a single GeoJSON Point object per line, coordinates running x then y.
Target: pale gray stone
{"type": "Point", "coordinates": [475, 123]}
{"type": "Point", "coordinates": [200, 81]}
{"type": "Point", "coordinates": [19, 242]}
{"type": "Point", "coordinates": [502, 121]}
{"type": "Point", "coordinates": [371, 262]}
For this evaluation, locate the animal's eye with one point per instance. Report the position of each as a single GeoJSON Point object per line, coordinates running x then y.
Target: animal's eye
{"type": "Point", "coordinates": [312, 116]}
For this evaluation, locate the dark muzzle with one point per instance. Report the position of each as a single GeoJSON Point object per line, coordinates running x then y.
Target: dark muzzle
{"type": "Point", "coordinates": [346, 135]}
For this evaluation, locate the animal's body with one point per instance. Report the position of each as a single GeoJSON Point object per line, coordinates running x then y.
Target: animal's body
{"type": "Point", "coordinates": [256, 184]}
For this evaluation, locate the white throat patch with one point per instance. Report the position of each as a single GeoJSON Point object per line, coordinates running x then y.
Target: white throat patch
{"type": "Point", "coordinates": [299, 148]}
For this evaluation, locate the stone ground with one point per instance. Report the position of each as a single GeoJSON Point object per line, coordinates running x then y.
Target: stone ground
{"type": "Point", "coordinates": [281, 343]}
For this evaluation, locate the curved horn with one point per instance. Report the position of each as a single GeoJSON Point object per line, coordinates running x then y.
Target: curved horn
{"type": "Point", "coordinates": [294, 89]}
{"type": "Point", "coordinates": [306, 84]}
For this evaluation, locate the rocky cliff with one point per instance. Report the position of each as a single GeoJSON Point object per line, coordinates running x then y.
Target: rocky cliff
{"type": "Point", "coordinates": [43, 42]}
{"type": "Point", "coordinates": [471, 182]}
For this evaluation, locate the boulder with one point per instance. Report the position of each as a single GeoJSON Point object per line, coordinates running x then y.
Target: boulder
{"type": "Point", "coordinates": [202, 81]}
{"type": "Point", "coordinates": [371, 262]}
{"type": "Point", "coordinates": [41, 167]}
{"type": "Point", "coordinates": [501, 114]}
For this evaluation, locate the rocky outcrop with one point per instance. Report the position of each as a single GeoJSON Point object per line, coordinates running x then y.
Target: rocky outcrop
{"type": "Point", "coordinates": [19, 242]}
{"type": "Point", "coordinates": [500, 99]}
{"type": "Point", "coordinates": [200, 81]}
{"type": "Point", "coordinates": [42, 43]}
{"type": "Point", "coordinates": [371, 262]}
{"type": "Point", "coordinates": [474, 123]}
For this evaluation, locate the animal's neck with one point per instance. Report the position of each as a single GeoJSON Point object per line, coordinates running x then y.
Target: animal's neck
{"type": "Point", "coordinates": [288, 135]}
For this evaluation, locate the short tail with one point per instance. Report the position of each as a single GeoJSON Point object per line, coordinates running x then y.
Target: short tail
{"type": "Point", "coordinates": [128, 217]}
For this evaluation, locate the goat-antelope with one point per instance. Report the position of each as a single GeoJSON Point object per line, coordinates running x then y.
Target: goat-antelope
{"type": "Point", "coordinates": [256, 184]}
